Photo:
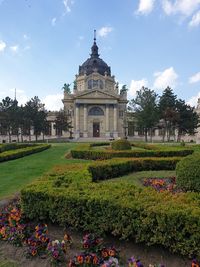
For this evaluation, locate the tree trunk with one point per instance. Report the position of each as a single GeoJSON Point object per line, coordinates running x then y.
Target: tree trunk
{"type": "Point", "coordinates": [146, 139]}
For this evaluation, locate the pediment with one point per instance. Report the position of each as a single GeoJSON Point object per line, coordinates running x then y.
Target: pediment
{"type": "Point", "coordinates": [96, 94]}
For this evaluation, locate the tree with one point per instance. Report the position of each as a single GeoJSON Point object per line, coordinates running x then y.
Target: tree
{"type": "Point", "coordinates": [187, 121]}
{"type": "Point", "coordinates": [35, 116]}
{"type": "Point", "coordinates": [9, 117]}
{"type": "Point", "coordinates": [168, 112]}
{"type": "Point", "coordinates": [145, 109]}
{"type": "Point", "coordinates": [62, 122]}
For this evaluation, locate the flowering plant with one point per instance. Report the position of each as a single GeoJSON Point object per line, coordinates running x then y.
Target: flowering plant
{"type": "Point", "coordinates": [91, 243]}
{"type": "Point", "coordinates": [133, 262]}
{"type": "Point", "coordinates": [57, 250]}
{"type": "Point", "coordinates": [161, 184]}
{"type": "Point", "coordinates": [37, 243]}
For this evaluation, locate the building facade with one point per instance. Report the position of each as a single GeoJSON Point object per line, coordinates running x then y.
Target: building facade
{"type": "Point", "coordinates": [96, 106]}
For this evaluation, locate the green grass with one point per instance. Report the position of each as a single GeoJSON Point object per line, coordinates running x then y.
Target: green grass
{"type": "Point", "coordinates": [137, 177]}
{"type": "Point", "coordinates": [17, 173]}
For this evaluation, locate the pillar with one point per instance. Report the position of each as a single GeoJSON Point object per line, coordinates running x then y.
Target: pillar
{"type": "Point", "coordinates": [115, 121]}
{"type": "Point", "coordinates": [85, 130]}
{"type": "Point", "coordinates": [77, 122]}
{"type": "Point", "coordinates": [107, 121]}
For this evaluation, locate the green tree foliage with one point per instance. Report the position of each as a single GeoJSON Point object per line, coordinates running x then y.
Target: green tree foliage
{"type": "Point", "coordinates": [62, 122]}
{"type": "Point", "coordinates": [145, 109]}
{"type": "Point", "coordinates": [35, 115]}
{"type": "Point", "coordinates": [168, 112]}
{"type": "Point", "coordinates": [187, 119]}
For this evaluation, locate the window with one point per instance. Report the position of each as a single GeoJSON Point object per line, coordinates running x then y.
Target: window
{"type": "Point", "coordinates": [95, 84]}
{"type": "Point", "coordinates": [96, 111]}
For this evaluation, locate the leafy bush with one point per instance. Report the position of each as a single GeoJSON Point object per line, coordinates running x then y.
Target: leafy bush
{"type": "Point", "coordinates": [188, 173]}
{"type": "Point", "coordinates": [115, 168]}
{"type": "Point", "coordinates": [84, 152]}
{"type": "Point", "coordinates": [12, 146]}
{"type": "Point", "coordinates": [21, 152]}
{"type": "Point", "coordinates": [141, 214]}
{"type": "Point", "coordinates": [121, 144]}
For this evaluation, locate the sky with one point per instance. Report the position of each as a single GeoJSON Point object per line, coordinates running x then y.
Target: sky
{"type": "Point", "coordinates": [151, 43]}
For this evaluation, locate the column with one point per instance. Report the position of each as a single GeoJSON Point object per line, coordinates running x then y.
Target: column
{"type": "Point", "coordinates": [53, 130]}
{"type": "Point", "coordinates": [115, 121]}
{"type": "Point", "coordinates": [85, 130]}
{"type": "Point", "coordinates": [107, 122]}
{"type": "Point", "coordinates": [77, 122]}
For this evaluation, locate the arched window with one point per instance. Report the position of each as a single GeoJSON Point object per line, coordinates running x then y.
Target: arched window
{"type": "Point", "coordinates": [96, 111]}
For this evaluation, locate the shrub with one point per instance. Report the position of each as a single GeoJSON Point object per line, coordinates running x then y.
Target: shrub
{"type": "Point", "coordinates": [118, 167]}
{"type": "Point", "coordinates": [124, 210]}
{"type": "Point", "coordinates": [121, 144]}
{"type": "Point", "coordinates": [188, 173]}
{"type": "Point", "coordinates": [21, 152]}
{"type": "Point", "coordinates": [84, 152]}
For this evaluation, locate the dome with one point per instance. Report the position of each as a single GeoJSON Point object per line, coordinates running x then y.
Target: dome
{"type": "Point", "coordinates": [94, 63]}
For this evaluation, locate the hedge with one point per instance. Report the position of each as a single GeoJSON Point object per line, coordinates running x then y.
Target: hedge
{"type": "Point", "coordinates": [84, 153]}
{"type": "Point", "coordinates": [12, 146]}
{"type": "Point", "coordinates": [115, 168]}
{"type": "Point", "coordinates": [21, 152]}
{"type": "Point", "coordinates": [129, 212]}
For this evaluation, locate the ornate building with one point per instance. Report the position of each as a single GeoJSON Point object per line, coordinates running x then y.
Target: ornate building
{"type": "Point", "coordinates": [96, 107]}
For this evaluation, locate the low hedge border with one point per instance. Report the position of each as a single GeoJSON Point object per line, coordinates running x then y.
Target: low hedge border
{"type": "Point", "coordinates": [118, 167]}
{"type": "Point", "coordinates": [13, 146]}
{"type": "Point", "coordinates": [85, 153]}
{"type": "Point", "coordinates": [21, 152]}
{"type": "Point", "coordinates": [141, 214]}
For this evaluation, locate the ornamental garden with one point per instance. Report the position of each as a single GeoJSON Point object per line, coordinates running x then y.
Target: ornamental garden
{"type": "Point", "coordinates": [146, 193]}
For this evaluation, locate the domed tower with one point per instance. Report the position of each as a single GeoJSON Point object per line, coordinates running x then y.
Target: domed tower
{"type": "Point", "coordinates": [96, 106]}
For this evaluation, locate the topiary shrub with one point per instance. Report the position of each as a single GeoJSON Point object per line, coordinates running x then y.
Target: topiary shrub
{"type": "Point", "coordinates": [121, 144]}
{"type": "Point", "coordinates": [188, 173]}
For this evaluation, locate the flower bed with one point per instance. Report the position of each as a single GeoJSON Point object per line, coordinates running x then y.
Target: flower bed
{"type": "Point", "coordinates": [36, 241]}
{"type": "Point", "coordinates": [162, 184]}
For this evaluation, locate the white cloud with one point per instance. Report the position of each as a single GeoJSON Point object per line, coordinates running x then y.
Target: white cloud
{"type": "Point", "coordinates": [27, 47]}
{"type": "Point", "coordinates": [182, 7]}
{"type": "Point", "coordinates": [136, 86]}
{"type": "Point", "coordinates": [145, 7]}
{"type": "Point", "coordinates": [195, 78]}
{"type": "Point", "coordinates": [67, 4]}
{"type": "Point", "coordinates": [53, 21]}
{"type": "Point", "coordinates": [14, 48]}
{"type": "Point", "coordinates": [25, 36]}
{"type": "Point", "coordinates": [166, 78]}
{"type": "Point", "coordinates": [104, 31]}
{"type": "Point", "coordinates": [2, 46]}
{"type": "Point", "coordinates": [194, 100]}
{"type": "Point", "coordinates": [195, 21]}
{"type": "Point", "coordinates": [53, 102]}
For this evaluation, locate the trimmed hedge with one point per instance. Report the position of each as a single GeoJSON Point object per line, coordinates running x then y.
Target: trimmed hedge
{"type": "Point", "coordinates": [12, 146]}
{"type": "Point", "coordinates": [121, 144]}
{"type": "Point", "coordinates": [21, 152]}
{"type": "Point", "coordinates": [115, 168]}
{"type": "Point", "coordinates": [85, 153]}
{"type": "Point", "coordinates": [141, 214]}
{"type": "Point", "coordinates": [188, 173]}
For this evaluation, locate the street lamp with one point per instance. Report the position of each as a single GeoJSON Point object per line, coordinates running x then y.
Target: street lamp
{"type": "Point", "coordinates": [125, 125]}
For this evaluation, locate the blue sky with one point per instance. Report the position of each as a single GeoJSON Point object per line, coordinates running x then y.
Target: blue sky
{"type": "Point", "coordinates": [152, 43]}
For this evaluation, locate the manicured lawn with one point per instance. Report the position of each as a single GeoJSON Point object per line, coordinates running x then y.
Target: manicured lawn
{"type": "Point", "coordinates": [137, 177]}
{"type": "Point", "coordinates": [17, 173]}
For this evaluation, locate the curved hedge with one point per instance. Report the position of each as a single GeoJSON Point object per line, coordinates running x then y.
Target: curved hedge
{"type": "Point", "coordinates": [21, 152]}
{"type": "Point", "coordinates": [188, 173]}
{"type": "Point", "coordinates": [13, 146]}
{"type": "Point", "coordinates": [84, 152]}
{"type": "Point", "coordinates": [141, 214]}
